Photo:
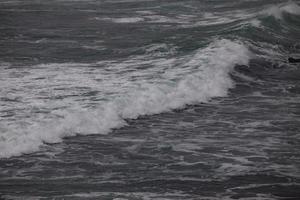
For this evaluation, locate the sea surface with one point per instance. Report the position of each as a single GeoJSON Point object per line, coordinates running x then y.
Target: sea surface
{"type": "Point", "coordinates": [149, 99]}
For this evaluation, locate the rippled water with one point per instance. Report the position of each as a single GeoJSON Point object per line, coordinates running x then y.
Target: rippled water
{"type": "Point", "coordinates": [133, 99]}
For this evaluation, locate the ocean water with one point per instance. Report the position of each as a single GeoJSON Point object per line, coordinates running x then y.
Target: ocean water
{"type": "Point", "coordinates": [149, 99]}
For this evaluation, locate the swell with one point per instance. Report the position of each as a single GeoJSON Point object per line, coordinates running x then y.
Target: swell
{"type": "Point", "coordinates": [197, 77]}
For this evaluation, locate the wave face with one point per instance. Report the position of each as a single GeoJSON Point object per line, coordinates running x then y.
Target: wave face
{"type": "Point", "coordinates": [54, 106]}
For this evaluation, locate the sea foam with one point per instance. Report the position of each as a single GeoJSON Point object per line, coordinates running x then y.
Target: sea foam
{"type": "Point", "coordinates": [174, 83]}
{"type": "Point", "coordinates": [278, 10]}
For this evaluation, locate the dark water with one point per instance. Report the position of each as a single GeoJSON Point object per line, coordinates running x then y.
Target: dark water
{"type": "Point", "coordinates": [133, 99]}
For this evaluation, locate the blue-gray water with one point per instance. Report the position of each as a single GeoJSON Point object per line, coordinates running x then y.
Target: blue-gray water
{"type": "Point", "coordinates": [149, 99]}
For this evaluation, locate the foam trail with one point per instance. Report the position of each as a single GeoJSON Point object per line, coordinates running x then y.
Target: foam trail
{"type": "Point", "coordinates": [199, 77]}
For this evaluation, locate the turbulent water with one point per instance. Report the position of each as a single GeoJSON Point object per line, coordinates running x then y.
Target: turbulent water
{"type": "Point", "coordinates": [149, 99]}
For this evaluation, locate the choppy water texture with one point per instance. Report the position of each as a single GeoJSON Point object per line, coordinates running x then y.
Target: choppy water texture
{"type": "Point", "coordinates": [148, 99]}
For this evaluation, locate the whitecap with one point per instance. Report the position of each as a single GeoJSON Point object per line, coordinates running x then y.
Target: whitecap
{"type": "Point", "coordinates": [122, 19]}
{"type": "Point", "coordinates": [122, 93]}
{"type": "Point", "coordinates": [278, 10]}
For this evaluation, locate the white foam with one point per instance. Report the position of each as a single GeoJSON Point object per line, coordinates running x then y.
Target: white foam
{"type": "Point", "coordinates": [122, 19]}
{"type": "Point", "coordinates": [256, 23]}
{"type": "Point", "coordinates": [291, 8]}
{"type": "Point", "coordinates": [278, 10]}
{"type": "Point", "coordinates": [211, 19]}
{"type": "Point", "coordinates": [52, 105]}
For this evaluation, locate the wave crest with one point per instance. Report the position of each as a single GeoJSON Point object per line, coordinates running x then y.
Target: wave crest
{"type": "Point", "coordinates": [199, 77]}
{"type": "Point", "coordinates": [277, 11]}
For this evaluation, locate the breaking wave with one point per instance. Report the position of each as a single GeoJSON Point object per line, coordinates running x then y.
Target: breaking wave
{"type": "Point", "coordinates": [183, 80]}
{"type": "Point", "coordinates": [278, 11]}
